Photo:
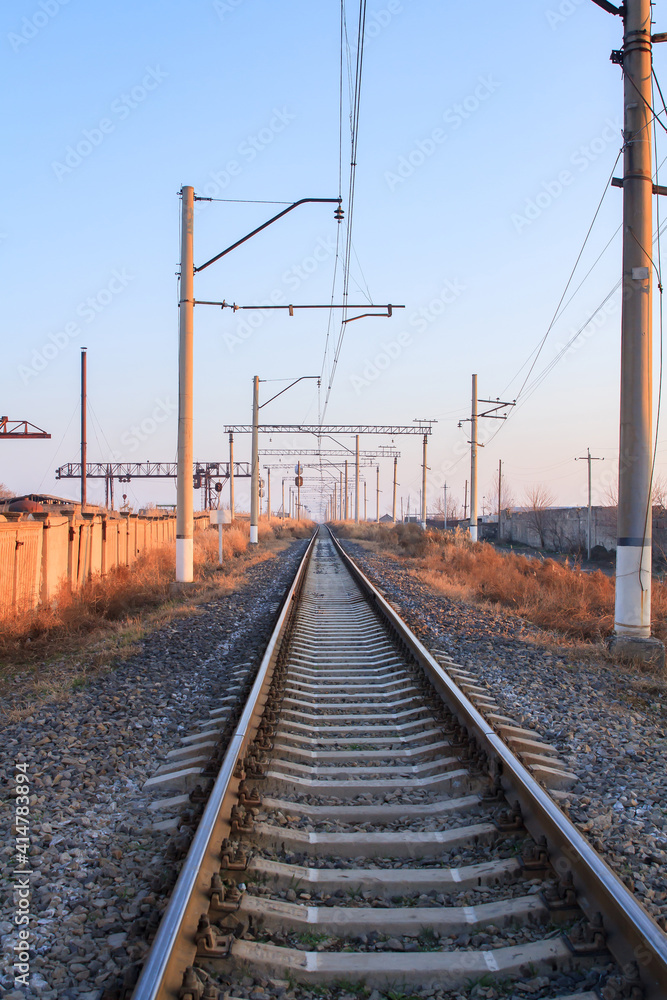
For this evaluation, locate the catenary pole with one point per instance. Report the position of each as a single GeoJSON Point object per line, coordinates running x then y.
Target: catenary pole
{"type": "Point", "coordinates": [84, 431]}
{"type": "Point", "coordinates": [231, 475]}
{"type": "Point", "coordinates": [346, 491]}
{"type": "Point", "coordinates": [500, 502]}
{"type": "Point", "coordinates": [268, 492]}
{"type": "Point", "coordinates": [184, 487]}
{"type": "Point", "coordinates": [393, 502]}
{"type": "Point", "coordinates": [473, 462]}
{"type": "Point", "coordinates": [423, 505]}
{"type": "Point", "coordinates": [632, 620]}
{"type": "Point", "coordinates": [356, 480]}
{"type": "Point", "coordinates": [254, 478]}
{"type": "Point", "coordinates": [377, 500]}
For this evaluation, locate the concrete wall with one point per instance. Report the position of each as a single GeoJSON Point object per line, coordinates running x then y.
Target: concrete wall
{"type": "Point", "coordinates": [564, 529]}
{"type": "Point", "coordinates": [39, 553]}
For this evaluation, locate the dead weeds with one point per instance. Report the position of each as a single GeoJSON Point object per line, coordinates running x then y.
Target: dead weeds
{"type": "Point", "coordinates": [576, 607]}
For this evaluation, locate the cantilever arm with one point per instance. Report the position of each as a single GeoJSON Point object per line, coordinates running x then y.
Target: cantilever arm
{"type": "Point", "coordinates": [275, 218]}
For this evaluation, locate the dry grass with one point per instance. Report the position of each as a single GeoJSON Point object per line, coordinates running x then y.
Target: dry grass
{"type": "Point", "coordinates": [552, 595]}
{"type": "Point", "coordinates": [56, 646]}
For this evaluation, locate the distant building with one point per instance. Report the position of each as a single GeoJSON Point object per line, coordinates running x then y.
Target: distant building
{"type": "Point", "coordinates": [48, 502]}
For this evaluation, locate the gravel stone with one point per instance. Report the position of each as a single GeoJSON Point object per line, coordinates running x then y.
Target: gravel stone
{"type": "Point", "coordinates": [101, 872]}
{"type": "Point", "coordinates": [607, 720]}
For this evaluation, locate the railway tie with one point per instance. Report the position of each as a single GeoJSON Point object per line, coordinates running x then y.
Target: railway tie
{"type": "Point", "coordinates": [369, 841]}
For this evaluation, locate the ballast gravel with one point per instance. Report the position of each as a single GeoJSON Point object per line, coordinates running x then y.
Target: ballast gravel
{"type": "Point", "coordinates": [100, 871]}
{"type": "Point", "coordinates": [608, 721]}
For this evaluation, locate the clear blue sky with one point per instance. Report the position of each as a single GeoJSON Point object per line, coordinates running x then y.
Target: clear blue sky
{"type": "Point", "coordinates": [486, 137]}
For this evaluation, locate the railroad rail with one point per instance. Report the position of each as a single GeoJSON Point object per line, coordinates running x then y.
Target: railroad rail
{"type": "Point", "coordinates": [389, 837]}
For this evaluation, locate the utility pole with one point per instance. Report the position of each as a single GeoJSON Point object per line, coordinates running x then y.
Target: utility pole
{"type": "Point", "coordinates": [254, 480]}
{"type": "Point", "coordinates": [282, 509]}
{"type": "Point", "coordinates": [332, 503]}
{"type": "Point", "coordinates": [365, 503]}
{"type": "Point", "coordinates": [356, 481]}
{"type": "Point", "coordinates": [184, 488]}
{"type": "Point", "coordinates": [589, 458]}
{"type": "Point", "coordinates": [84, 432]}
{"type": "Point", "coordinates": [632, 624]}
{"type": "Point", "coordinates": [401, 509]}
{"type": "Point", "coordinates": [393, 503]}
{"type": "Point", "coordinates": [465, 500]}
{"type": "Point", "coordinates": [377, 502]}
{"type": "Point", "coordinates": [340, 498]}
{"type": "Point", "coordinates": [231, 474]}
{"type": "Point", "coordinates": [500, 488]}
{"type": "Point", "coordinates": [445, 514]}
{"type": "Point", "coordinates": [346, 490]}
{"type": "Point", "coordinates": [424, 483]}
{"type": "Point", "coordinates": [492, 414]}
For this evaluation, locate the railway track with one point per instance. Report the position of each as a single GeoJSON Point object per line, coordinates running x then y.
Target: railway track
{"type": "Point", "coordinates": [369, 830]}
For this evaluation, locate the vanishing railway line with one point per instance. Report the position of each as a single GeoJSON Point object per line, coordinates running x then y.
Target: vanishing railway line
{"type": "Point", "coordinates": [369, 825]}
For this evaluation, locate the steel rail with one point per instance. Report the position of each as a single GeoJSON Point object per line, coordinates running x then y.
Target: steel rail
{"type": "Point", "coordinates": [174, 948]}
{"type": "Point", "coordinates": [633, 937]}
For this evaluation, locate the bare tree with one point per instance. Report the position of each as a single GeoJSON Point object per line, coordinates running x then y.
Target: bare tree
{"type": "Point", "coordinates": [5, 492]}
{"type": "Point", "coordinates": [659, 492]}
{"type": "Point", "coordinates": [539, 500]}
{"type": "Point", "coordinates": [507, 499]}
{"type": "Point", "coordinates": [609, 493]}
{"type": "Point", "coordinates": [454, 512]}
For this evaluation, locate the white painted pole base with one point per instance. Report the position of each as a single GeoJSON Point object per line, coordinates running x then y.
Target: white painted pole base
{"type": "Point", "coordinates": [473, 532]}
{"type": "Point", "coordinates": [423, 525]}
{"type": "Point", "coordinates": [633, 591]}
{"type": "Point", "coordinates": [220, 543]}
{"type": "Point", "coordinates": [184, 571]}
{"type": "Point", "coordinates": [254, 534]}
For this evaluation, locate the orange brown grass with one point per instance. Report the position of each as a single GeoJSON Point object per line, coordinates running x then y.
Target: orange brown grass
{"type": "Point", "coordinates": [554, 596]}
{"type": "Point", "coordinates": [128, 595]}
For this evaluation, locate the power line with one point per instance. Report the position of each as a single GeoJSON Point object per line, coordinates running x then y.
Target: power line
{"type": "Point", "coordinates": [355, 110]}
{"type": "Point", "coordinates": [569, 280]}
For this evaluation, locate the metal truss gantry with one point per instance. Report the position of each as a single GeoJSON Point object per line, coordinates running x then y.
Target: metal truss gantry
{"type": "Point", "coordinates": [20, 430]}
{"type": "Point", "coordinates": [322, 430]}
{"type": "Point", "coordinates": [210, 477]}
{"type": "Point", "coordinates": [387, 452]}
